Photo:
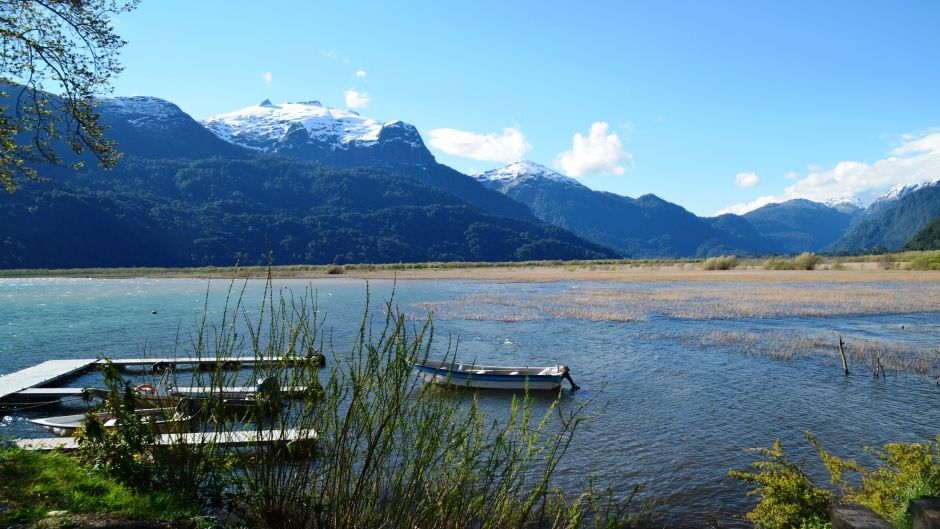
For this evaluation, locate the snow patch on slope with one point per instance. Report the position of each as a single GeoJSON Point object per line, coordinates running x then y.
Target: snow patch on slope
{"type": "Point", "coordinates": [524, 171]}
{"type": "Point", "coordinates": [900, 191]}
{"type": "Point", "coordinates": [261, 126]}
{"type": "Point", "coordinates": [141, 111]}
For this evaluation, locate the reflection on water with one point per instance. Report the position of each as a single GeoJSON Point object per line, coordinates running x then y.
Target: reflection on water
{"type": "Point", "coordinates": [672, 412]}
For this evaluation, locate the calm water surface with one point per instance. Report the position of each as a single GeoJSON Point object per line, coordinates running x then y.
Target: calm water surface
{"type": "Point", "coordinates": [671, 417]}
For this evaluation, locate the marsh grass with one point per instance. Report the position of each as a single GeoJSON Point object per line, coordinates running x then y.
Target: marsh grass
{"type": "Point", "coordinates": [388, 451]}
{"type": "Point", "coordinates": [873, 356]}
{"type": "Point", "coordinates": [633, 303]}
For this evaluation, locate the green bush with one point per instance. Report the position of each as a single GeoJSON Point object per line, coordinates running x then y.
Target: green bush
{"type": "Point", "coordinates": [804, 261]}
{"type": "Point", "coordinates": [788, 498]}
{"type": "Point", "coordinates": [907, 471]}
{"type": "Point", "coordinates": [927, 261]}
{"type": "Point", "coordinates": [334, 269]}
{"type": "Point", "coordinates": [724, 262]}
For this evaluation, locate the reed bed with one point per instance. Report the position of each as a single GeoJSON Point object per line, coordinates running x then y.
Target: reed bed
{"type": "Point", "coordinates": [876, 357]}
{"type": "Point", "coordinates": [389, 451]}
{"type": "Point", "coordinates": [632, 303]}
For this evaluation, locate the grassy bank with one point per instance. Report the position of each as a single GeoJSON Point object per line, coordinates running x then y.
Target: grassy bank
{"type": "Point", "coordinates": [916, 265]}
{"type": "Point", "coordinates": [35, 484]}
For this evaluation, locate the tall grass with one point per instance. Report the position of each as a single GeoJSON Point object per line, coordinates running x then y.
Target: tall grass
{"type": "Point", "coordinates": [374, 446]}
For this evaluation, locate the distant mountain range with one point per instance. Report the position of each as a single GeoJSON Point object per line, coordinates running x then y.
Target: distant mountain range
{"type": "Point", "coordinates": [647, 226]}
{"type": "Point", "coordinates": [892, 220]}
{"type": "Point", "coordinates": [801, 225]}
{"type": "Point", "coordinates": [315, 184]}
{"type": "Point", "coordinates": [182, 196]}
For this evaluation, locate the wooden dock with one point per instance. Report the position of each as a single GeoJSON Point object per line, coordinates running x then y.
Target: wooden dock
{"type": "Point", "coordinates": [39, 375]}
{"type": "Point", "coordinates": [227, 440]}
{"type": "Point", "coordinates": [32, 383]}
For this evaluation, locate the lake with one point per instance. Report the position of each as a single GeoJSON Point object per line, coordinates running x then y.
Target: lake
{"type": "Point", "coordinates": [678, 393]}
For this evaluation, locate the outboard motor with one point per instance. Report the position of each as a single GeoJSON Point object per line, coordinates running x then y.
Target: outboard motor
{"type": "Point", "coordinates": [567, 376]}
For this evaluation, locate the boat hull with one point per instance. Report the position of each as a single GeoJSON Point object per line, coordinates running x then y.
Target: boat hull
{"type": "Point", "coordinates": [488, 377]}
{"type": "Point", "coordinates": [161, 421]}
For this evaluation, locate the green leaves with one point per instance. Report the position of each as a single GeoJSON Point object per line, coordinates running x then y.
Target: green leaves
{"type": "Point", "coordinates": [790, 500]}
{"type": "Point", "coordinates": [55, 47]}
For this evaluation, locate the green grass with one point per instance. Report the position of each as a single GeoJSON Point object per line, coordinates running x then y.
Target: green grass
{"type": "Point", "coordinates": [35, 483]}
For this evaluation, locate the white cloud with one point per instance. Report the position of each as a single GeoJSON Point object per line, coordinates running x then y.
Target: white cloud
{"type": "Point", "coordinates": [329, 54]}
{"type": "Point", "coordinates": [267, 77]}
{"type": "Point", "coordinates": [599, 152]}
{"type": "Point", "coordinates": [746, 179]}
{"type": "Point", "coordinates": [356, 99]}
{"type": "Point", "coordinates": [915, 160]}
{"type": "Point", "coordinates": [360, 73]}
{"type": "Point", "coordinates": [792, 175]}
{"type": "Point", "coordinates": [506, 147]}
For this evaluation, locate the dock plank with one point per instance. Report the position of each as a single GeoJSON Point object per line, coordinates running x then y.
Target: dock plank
{"type": "Point", "coordinates": [221, 439]}
{"type": "Point", "coordinates": [33, 378]}
{"type": "Point", "coordinates": [45, 373]}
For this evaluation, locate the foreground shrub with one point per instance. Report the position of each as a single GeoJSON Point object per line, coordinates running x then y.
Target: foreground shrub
{"type": "Point", "coordinates": [788, 497]}
{"type": "Point", "coordinates": [790, 500]}
{"type": "Point", "coordinates": [907, 472]}
{"type": "Point", "coordinates": [724, 262]}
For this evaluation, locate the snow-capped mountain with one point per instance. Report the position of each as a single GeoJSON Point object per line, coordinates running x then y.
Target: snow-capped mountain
{"type": "Point", "coordinates": [143, 112]}
{"type": "Point", "coordinates": [155, 128]}
{"type": "Point", "coordinates": [893, 218]}
{"type": "Point", "coordinates": [523, 172]}
{"type": "Point", "coordinates": [309, 130]}
{"type": "Point", "coordinates": [850, 205]}
{"type": "Point", "coordinates": [898, 192]}
{"type": "Point", "coordinates": [343, 138]}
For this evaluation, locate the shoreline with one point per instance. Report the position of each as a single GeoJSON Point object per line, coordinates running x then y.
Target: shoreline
{"type": "Point", "coordinates": [863, 272]}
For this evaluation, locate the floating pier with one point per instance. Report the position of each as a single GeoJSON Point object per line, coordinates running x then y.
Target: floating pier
{"type": "Point", "coordinates": [32, 383]}
{"type": "Point", "coordinates": [228, 440]}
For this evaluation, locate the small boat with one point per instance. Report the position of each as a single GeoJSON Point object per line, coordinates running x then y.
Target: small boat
{"type": "Point", "coordinates": [164, 420]}
{"type": "Point", "coordinates": [493, 377]}
{"type": "Point", "coordinates": [234, 398]}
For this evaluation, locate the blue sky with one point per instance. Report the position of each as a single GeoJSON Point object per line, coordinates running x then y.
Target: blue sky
{"type": "Point", "coordinates": [706, 104]}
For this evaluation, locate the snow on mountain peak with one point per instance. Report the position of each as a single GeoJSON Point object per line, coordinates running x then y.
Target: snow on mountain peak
{"type": "Point", "coordinates": [899, 191]}
{"type": "Point", "coordinates": [261, 126]}
{"type": "Point", "coordinates": [522, 171]}
{"type": "Point", "coordinates": [845, 204]}
{"type": "Point", "coordinates": [142, 111]}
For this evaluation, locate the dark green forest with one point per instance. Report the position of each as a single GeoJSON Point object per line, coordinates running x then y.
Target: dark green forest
{"type": "Point", "coordinates": [174, 212]}
{"type": "Point", "coordinates": [927, 238]}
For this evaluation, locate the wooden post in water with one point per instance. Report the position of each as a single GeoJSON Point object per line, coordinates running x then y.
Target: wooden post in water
{"type": "Point", "coordinates": [845, 365]}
